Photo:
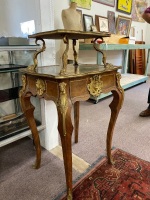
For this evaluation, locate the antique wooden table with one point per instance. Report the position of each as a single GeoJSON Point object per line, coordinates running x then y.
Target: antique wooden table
{"type": "Point", "coordinates": [66, 86]}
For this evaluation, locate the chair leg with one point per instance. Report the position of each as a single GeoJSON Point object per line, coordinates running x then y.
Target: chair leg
{"type": "Point", "coordinates": [76, 120]}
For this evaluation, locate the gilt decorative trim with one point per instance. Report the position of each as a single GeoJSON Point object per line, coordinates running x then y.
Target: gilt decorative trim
{"type": "Point", "coordinates": [106, 65]}
{"type": "Point", "coordinates": [24, 83]}
{"type": "Point", "coordinates": [35, 60]}
{"type": "Point", "coordinates": [69, 197]}
{"type": "Point", "coordinates": [40, 87]}
{"type": "Point", "coordinates": [95, 87]}
{"type": "Point", "coordinates": [102, 52]}
{"type": "Point", "coordinates": [63, 104]}
{"type": "Point", "coordinates": [65, 56]}
{"type": "Point", "coordinates": [118, 77]}
{"type": "Point", "coordinates": [75, 52]}
{"type": "Point", "coordinates": [109, 66]}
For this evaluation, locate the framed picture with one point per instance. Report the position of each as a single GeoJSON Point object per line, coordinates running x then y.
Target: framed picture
{"type": "Point", "coordinates": [83, 3]}
{"type": "Point", "coordinates": [111, 22]}
{"type": "Point", "coordinates": [88, 22]}
{"type": "Point", "coordinates": [138, 7]}
{"type": "Point", "coordinates": [101, 23]}
{"type": "Point", "coordinates": [106, 2]}
{"type": "Point", "coordinates": [124, 6]}
{"type": "Point", "coordinates": [123, 25]}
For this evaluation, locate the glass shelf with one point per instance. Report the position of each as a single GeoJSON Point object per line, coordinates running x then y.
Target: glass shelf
{"type": "Point", "coordinates": [10, 67]}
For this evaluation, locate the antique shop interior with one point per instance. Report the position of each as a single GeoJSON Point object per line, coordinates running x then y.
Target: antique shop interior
{"type": "Point", "coordinates": [74, 78]}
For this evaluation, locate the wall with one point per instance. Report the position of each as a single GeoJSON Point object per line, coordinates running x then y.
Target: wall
{"type": "Point", "coordinates": [14, 12]}
{"type": "Point", "coordinates": [49, 137]}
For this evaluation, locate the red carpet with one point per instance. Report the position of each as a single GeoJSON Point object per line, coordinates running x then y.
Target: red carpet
{"type": "Point", "coordinates": [128, 179]}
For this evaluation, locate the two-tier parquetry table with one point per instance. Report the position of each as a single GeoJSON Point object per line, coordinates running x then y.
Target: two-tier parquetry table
{"type": "Point", "coordinates": [67, 85]}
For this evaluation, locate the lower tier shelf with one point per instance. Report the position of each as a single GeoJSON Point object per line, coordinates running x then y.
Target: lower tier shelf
{"type": "Point", "coordinates": [127, 81]}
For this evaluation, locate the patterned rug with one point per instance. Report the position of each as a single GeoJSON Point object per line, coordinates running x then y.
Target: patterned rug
{"type": "Point", "coordinates": [127, 179]}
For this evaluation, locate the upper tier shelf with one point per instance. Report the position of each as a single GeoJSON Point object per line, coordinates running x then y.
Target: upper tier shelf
{"type": "Point", "coordinates": [71, 34]}
{"type": "Point", "coordinates": [66, 35]}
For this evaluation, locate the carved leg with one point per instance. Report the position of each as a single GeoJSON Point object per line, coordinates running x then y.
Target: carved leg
{"type": "Point", "coordinates": [65, 56]}
{"type": "Point", "coordinates": [65, 135]}
{"type": "Point", "coordinates": [28, 110]}
{"type": "Point", "coordinates": [115, 107]}
{"type": "Point", "coordinates": [65, 129]}
{"type": "Point", "coordinates": [76, 120]}
{"type": "Point", "coordinates": [75, 53]}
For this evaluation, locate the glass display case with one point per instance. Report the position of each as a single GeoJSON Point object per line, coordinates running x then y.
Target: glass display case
{"type": "Point", "coordinates": [12, 58]}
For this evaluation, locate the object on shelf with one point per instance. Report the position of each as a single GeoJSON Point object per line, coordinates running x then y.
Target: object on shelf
{"type": "Point", "coordinates": [6, 41]}
{"type": "Point", "coordinates": [127, 40]}
{"type": "Point", "coordinates": [124, 40]}
{"type": "Point", "coordinates": [132, 40]}
{"type": "Point", "coordinates": [89, 41]}
{"type": "Point", "coordinates": [137, 60]}
{"type": "Point", "coordinates": [119, 39]}
{"type": "Point", "coordinates": [113, 39]}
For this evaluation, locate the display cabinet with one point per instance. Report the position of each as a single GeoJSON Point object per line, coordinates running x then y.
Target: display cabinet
{"type": "Point", "coordinates": [12, 121]}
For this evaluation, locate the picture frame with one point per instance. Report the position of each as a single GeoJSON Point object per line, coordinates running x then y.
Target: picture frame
{"type": "Point", "coordinates": [124, 6]}
{"type": "Point", "coordinates": [83, 4]}
{"type": "Point", "coordinates": [101, 23]}
{"type": "Point", "coordinates": [88, 22]}
{"type": "Point", "coordinates": [138, 7]}
{"type": "Point", "coordinates": [106, 2]}
{"type": "Point", "coordinates": [123, 25]}
{"type": "Point", "coordinates": [111, 22]}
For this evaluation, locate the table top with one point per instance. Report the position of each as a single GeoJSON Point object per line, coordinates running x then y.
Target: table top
{"type": "Point", "coordinates": [71, 34]}
{"type": "Point", "coordinates": [81, 70]}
